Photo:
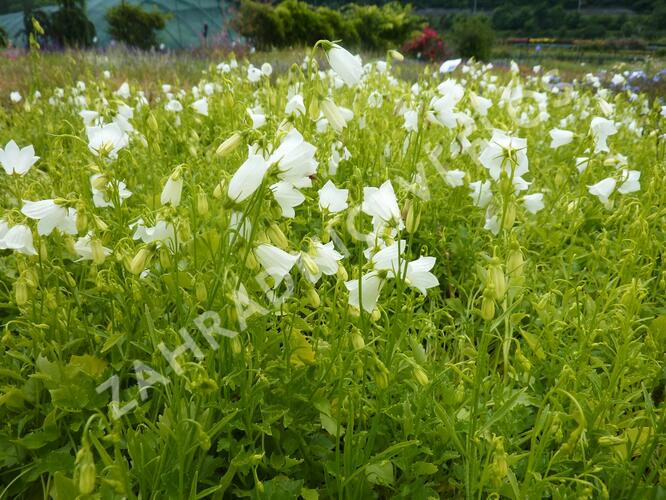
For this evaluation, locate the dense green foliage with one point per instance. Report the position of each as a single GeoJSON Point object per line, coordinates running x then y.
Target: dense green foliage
{"type": "Point", "coordinates": [533, 367]}
{"type": "Point", "coordinates": [294, 23]}
{"type": "Point", "coordinates": [135, 26]}
{"type": "Point", "coordinates": [69, 26]}
{"type": "Point", "coordinates": [473, 37]}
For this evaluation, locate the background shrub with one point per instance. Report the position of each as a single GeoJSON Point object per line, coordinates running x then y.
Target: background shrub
{"type": "Point", "coordinates": [427, 45]}
{"type": "Point", "coordinates": [259, 23]}
{"type": "Point", "coordinates": [69, 26]}
{"type": "Point", "coordinates": [134, 26]}
{"type": "Point", "coordinates": [473, 37]}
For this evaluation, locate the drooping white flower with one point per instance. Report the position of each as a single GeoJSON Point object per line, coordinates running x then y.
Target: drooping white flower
{"type": "Point", "coordinates": [454, 178]}
{"type": "Point", "coordinates": [334, 115]}
{"type": "Point", "coordinates": [17, 160]}
{"type": "Point", "coordinates": [201, 106]}
{"type": "Point", "coordinates": [161, 233]}
{"type": "Point", "coordinates": [601, 129]}
{"type": "Point", "coordinates": [89, 117]}
{"type": "Point", "coordinates": [123, 91]}
{"type": "Point", "coordinates": [267, 69]}
{"type": "Point", "coordinates": [381, 203]}
{"type": "Point", "coordinates": [295, 159]}
{"type": "Point", "coordinates": [254, 74]}
{"type": "Point", "coordinates": [603, 189]}
{"type": "Point", "coordinates": [480, 104]}
{"type": "Point", "coordinates": [275, 261]}
{"type": "Point", "coordinates": [533, 202]}
{"type": "Point", "coordinates": [419, 276]}
{"type": "Point", "coordinates": [287, 197]}
{"type": "Point", "coordinates": [560, 137]}
{"type": "Point", "coordinates": [450, 65]}
{"type": "Point", "coordinates": [257, 116]}
{"type": "Point", "coordinates": [411, 120]}
{"type": "Point", "coordinates": [107, 139]}
{"type": "Point", "coordinates": [83, 248]}
{"type": "Point", "coordinates": [367, 293]}
{"type": "Point", "coordinates": [101, 197]}
{"type": "Point", "coordinates": [332, 198]}
{"type": "Point", "coordinates": [505, 153]}
{"type": "Point", "coordinates": [630, 182]}
{"type": "Point", "coordinates": [582, 163]}
{"type": "Point", "coordinates": [247, 178]}
{"type": "Point", "coordinates": [347, 66]}
{"type": "Point", "coordinates": [19, 239]}
{"type": "Point", "coordinates": [173, 189]}
{"type": "Point", "coordinates": [174, 106]}
{"type": "Point", "coordinates": [295, 106]}
{"type": "Point", "coordinates": [50, 216]}
{"type": "Point", "coordinates": [480, 193]}
{"type": "Point", "coordinates": [321, 259]}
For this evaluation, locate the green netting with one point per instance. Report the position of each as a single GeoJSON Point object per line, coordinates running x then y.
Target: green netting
{"type": "Point", "coordinates": [184, 30]}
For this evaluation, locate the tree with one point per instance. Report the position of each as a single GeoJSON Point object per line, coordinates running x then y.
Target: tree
{"type": "Point", "coordinates": [134, 26]}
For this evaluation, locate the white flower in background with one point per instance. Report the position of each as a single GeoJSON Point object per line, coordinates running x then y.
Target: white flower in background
{"type": "Point", "coordinates": [275, 261]}
{"type": "Point", "coordinates": [347, 66]}
{"type": "Point", "coordinates": [17, 160]}
{"type": "Point", "coordinates": [603, 189]}
{"type": "Point", "coordinates": [247, 178]}
{"type": "Point", "coordinates": [166, 88]}
{"type": "Point", "coordinates": [173, 189]}
{"type": "Point", "coordinates": [582, 163]}
{"type": "Point", "coordinates": [287, 196]}
{"type": "Point", "coordinates": [257, 116]}
{"type": "Point", "coordinates": [101, 197]}
{"type": "Point", "coordinates": [492, 223]}
{"type": "Point", "coordinates": [267, 69]}
{"type": "Point", "coordinates": [254, 74]}
{"type": "Point", "coordinates": [201, 106]}
{"type": "Point", "coordinates": [123, 91]}
{"type": "Point", "coordinates": [419, 276]}
{"type": "Point", "coordinates": [224, 68]}
{"type": "Point", "coordinates": [601, 129]}
{"type": "Point", "coordinates": [617, 79]}
{"type": "Point", "coordinates": [84, 248]}
{"type": "Point", "coordinates": [375, 100]}
{"type": "Point", "coordinates": [533, 202]}
{"type": "Point", "coordinates": [480, 104]}
{"type": "Point", "coordinates": [411, 120]}
{"type": "Point", "coordinates": [15, 96]}
{"type": "Point", "coordinates": [161, 233]}
{"type": "Point", "coordinates": [335, 114]}
{"type": "Point", "coordinates": [321, 259]}
{"type": "Point", "coordinates": [174, 106]}
{"type": "Point", "coordinates": [241, 224]}
{"type": "Point", "coordinates": [107, 139]}
{"type": "Point", "coordinates": [480, 193]}
{"type": "Point", "coordinates": [505, 153]}
{"type": "Point", "coordinates": [367, 293]}
{"type": "Point", "coordinates": [19, 239]}
{"type": "Point", "coordinates": [106, 74]}
{"type": "Point", "coordinates": [454, 178]}
{"type": "Point", "coordinates": [450, 65]}
{"type": "Point", "coordinates": [332, 198]}
{"type": "Point", "coordinates": [295, 159]}
{"type": "Point", "coordinates": [89, 117]}
{"type": "Point", "coordinates": [382, 204]}
{"type": "Point", "coordinates": [209, 89]}
{"type": "Point", "coordinates": [50, 216]}
{"type": "Point", "coordinates": [295, 106]}
{"type": "Point", "coordinates": [560, 137]}
{"type": "Point", "coordinates": [630, 180]}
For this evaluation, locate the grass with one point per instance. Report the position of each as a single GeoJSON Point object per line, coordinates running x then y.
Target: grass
{"type": "Point", "coordinates": [534, 367]}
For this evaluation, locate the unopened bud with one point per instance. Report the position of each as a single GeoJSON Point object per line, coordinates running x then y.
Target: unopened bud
{"type": "Point", "coordinates": [313, 298]}
{"type": "Point", "coordinates": [219, 190]}
{"type": "Point", "coordinates": [342, 273]}
{"type": "Point", "coordinates": [97, 249]}
{"type": "Point", "coordinates": [397, 56]}
{"type": "Point", "coordinates": [152, 123]}
{"type": "Point", "coordinates": [413, 218]}
{"type": "Point", "coordinates": [87, 477]}
{"type": "Point", "coordinates": [488, 303]}
{"type": "Point", "coordinates": [357, 340]}
{"type": "Point", "coordinates": [140, 260]}
{"type": "Point", "coordinates": [229, 145]}
{"type": "Point", "coordinates": [496, 276]}
{"type": "Point", "coordinates": [277, 237]}
{"type": "Point", "coordinates": [202, 203]}
{"type": "Point", "coordinates": [421, 376]}
{"type": "Point", "coordinates": [200, 292]}
{"type": "Point", "coordinates": [333, 114]}
{"type": "Point", "coordinates": [21, 292]}
{"type": "Point", "coordinates": [310, 265]}
{"type": "Point", "coordinates": [313, 109]}
{"type": "Point", "coordinates": [236, 345]}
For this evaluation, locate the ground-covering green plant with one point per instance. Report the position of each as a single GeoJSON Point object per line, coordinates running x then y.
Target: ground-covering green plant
{"type": "Point", "coordinates": [333, 283]}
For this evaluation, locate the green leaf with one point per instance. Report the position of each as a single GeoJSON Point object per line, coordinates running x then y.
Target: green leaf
{"type": "Point", "coordinates": [380, 473]}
